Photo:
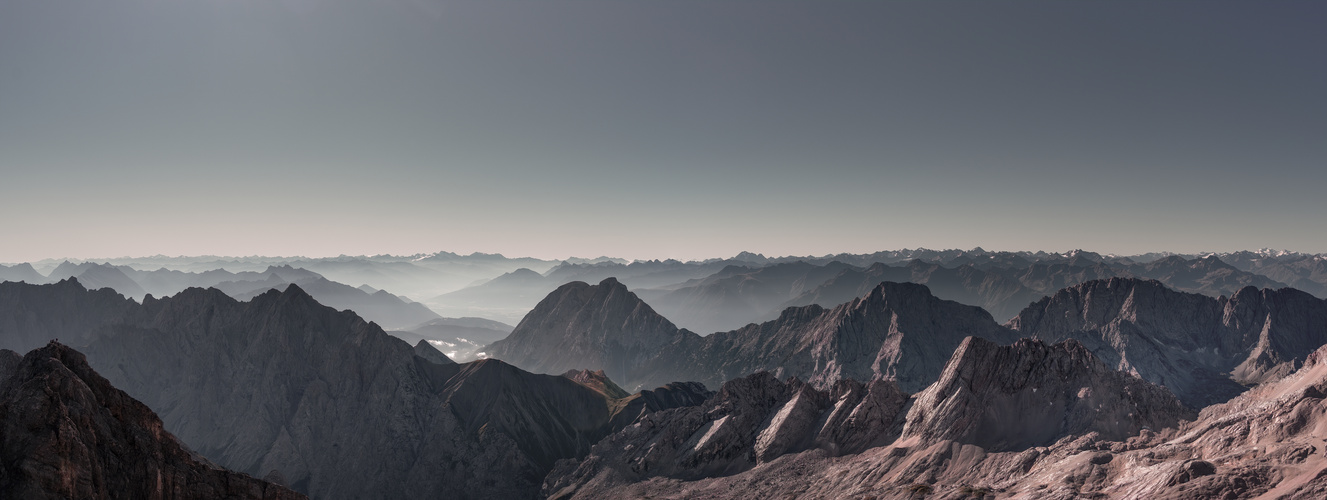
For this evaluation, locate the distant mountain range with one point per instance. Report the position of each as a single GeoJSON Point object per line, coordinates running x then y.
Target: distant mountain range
{"type": "Point", "coordinates": [1203, 349]}
{"type": "Point", "coordinates": [880, 375]}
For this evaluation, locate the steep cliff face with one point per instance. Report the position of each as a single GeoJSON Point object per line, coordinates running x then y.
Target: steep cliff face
{"type": "Point", "coordinates": [1203, 349]}
{"type": "Point", "coordinates": [997, 416]}
{"type": "Point", "coordinates": [898, 331]}
{"type": "Point", "coordinates": [1279, 327]}
{"type": "Point", "coordinates": [65, 432]}
{"type": "Point", "coordinates": [1014, 397]}
{"type": "Point", "coordinates": [750, 421]}
{"type": "Point", "coordinates": [599, 327]}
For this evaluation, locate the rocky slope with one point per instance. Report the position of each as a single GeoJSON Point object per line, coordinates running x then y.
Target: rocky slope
{"type": "Point", "coordinates": [750, 421]}
{"type": "Point", "coordinates": [599, 327]}
{"type": "Point", "coordinates": [898, 331]}
{"type": "Point", "coordinates": [1009, 398]}
{"type": "Point", "coordinates": [1204, 349]}
{"type": "Point", "coordinates": [65, 432]}
{"type": "Point", "coordinates": [333, 403]}
{"type": "Point", "coordinates": [32, 315]}
{"type": "Point", "coordinates": [21, 272]}
{"type": "Point", "coordinates": [996, 414]}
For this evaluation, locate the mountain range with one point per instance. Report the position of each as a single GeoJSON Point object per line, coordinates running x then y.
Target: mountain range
{"type": "Point", "coordinates": [332, 403]}
{"type": "Point", "coordinates": [879, 375]}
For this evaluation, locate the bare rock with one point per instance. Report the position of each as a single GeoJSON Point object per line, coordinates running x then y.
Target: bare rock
{"type": "Point", "coordinates": [65, 432]}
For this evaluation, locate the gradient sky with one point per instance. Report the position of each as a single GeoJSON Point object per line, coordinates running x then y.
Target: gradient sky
{"type": "Point", "coordinates": [683, 129]}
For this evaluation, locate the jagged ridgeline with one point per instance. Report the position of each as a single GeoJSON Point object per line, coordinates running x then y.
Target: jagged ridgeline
{"type": "Point", "coordinates": [897, 331]}
{"type": "Point", "coordinates": [328, 401]}
{"type": "Point", "coordinates": [893, 388]}
{"type": "Point", "coordinates": [1206, 350]}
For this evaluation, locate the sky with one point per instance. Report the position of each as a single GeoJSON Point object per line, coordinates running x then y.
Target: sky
{"type": "Point", "coordinates": [659, 129]}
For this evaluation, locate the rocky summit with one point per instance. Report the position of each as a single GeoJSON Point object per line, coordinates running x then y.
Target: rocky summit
{"type": "Point", "coordinates": [1206, 350]}
{"type": "Point", "coordinates": [65, 432]}
{"type": "Point", "coordinates": [898, 331]}
{"type": "Point", "coordinates": [993, 408]}
{"type": "Point", "coordinates": [599, 327]}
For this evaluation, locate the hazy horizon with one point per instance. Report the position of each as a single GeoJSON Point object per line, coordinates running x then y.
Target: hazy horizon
{"type": "Point", "coordinates": [654, 130]}
{"type": "Point", "coordinates": [102, 259]}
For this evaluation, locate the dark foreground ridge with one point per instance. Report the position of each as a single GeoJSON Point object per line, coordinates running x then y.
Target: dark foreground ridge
{"type": "Point", "coordinates": [65, 432]}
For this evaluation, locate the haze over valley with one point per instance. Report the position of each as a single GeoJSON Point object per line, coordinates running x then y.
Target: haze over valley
{"type": "Point", "coordinates": [722, 250]}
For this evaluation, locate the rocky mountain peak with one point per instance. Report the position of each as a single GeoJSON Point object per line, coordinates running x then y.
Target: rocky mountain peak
{"type": "Point", "coordinates": [426, 350]}
{"type": "Point", "coordinates": [67, 433]}
{"type": "Point", "coordinates": [1203, 349]}
{"type": "Point", "coordinates": [598, 381]}
{"type": "Point", "coordinates": [1031, 394]}
{"type": "Point", "coordinates": [584, 326]}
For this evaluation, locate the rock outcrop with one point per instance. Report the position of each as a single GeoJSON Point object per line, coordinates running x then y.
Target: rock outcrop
{"type": "Point", "coordinates": [998, 415]}
{"type": "Point", "coordinates": [1010, 398]}
{"type": "Point", "coordinates": [750, 421]}
{"type": "Point", "coordinates": [65, 432]}
{"type": "Point", "coordinates": [898, 331]}
{"type": "Point", "coordinates": [1204, 349]}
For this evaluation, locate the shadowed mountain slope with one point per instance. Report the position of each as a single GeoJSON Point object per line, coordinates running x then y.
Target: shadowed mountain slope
{"type": "Point", "coordinates": [65, 432]}
{"type": "Point", "coordinates": [898, 331]}
{"type": "Point", "coordinates": [333, 403]}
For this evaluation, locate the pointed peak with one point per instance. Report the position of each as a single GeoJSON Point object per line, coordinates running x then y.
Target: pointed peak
{"type": "Point", "coordinates": [429, 352]}
{"type": "Point", "coordinates": [611, 282]}
{"type": "Point", "coordinates": [294, 291]}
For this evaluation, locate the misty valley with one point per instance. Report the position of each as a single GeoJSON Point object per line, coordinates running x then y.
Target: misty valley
{"type": "Point", "coordinates": [896, 374]}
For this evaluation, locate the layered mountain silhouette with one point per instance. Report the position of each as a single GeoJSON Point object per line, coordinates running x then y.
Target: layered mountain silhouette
{"type": "Point", "coordinates": [859, 376]}
{"type": "Point", "coordinates": [504, 298]}
{"type": "Point", "coordinates": [380, 306]}
{"type": "Point", "coordinates": [1204, 349]}
{"type": "Point", "coordinates": [1301, 271]}
{"type": "Point", "coordinates": [65, 432]}
{"type": "Point", "coordinates": [95, 276]}
{"type": "Point", "coordinates": [898, 331]}
{"type": "Point", "coordinates": [734, 296]}
{"type": "Point", "coordinates": [329, 401]}
{"type": "Point", "coordinates": [21, 272]}
{"type": "Point", "coordinates": [462, 339]}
